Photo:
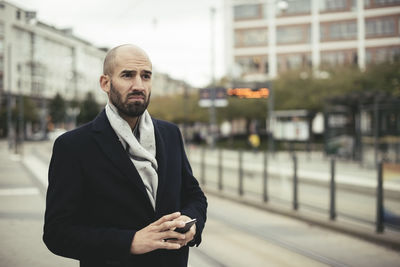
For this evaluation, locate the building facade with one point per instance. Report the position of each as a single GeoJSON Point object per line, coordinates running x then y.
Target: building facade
{"type": "Point", "coordinates": [38, 60]}
{"type": "Point", "coordinates": [267, 37]}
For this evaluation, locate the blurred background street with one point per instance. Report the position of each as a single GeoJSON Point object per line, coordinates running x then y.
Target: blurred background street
{"type": "Point", "coordinates": [290, 112]}
{"type": "Point", "coordinates": [236, 234]}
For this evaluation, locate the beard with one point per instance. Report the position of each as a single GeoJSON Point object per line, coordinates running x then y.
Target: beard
{"type": "Point", "coordinates": [130, 109]}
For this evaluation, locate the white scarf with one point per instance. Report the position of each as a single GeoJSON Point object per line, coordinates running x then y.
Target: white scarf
{"type": "Point", "coordinates": [142, 152]}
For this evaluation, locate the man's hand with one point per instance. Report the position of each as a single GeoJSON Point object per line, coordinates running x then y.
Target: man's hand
{"type": "Point", "coordinates": [153, 236]}
{"type": "Point", "coordinates": [189, 235]}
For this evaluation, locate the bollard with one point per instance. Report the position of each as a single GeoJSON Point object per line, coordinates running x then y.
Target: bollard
{"type": "Point", "coordinates": [220, 183]}
{"type": "Point", "coordinates": [295, 182]}
{"type": "Point", "coordinates": [379, 200]}
{"type": "Point", "coordinates": [203, 167]}
{"type": "Point", "coordinates": [240, 172]}
{"type": "Point", "coordinates": [265, 177]}
{"type": "Point", "coordinates": [332, 209]}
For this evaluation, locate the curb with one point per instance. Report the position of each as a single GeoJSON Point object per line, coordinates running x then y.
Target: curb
{"type": "Point", "coordinates": [342, 227]}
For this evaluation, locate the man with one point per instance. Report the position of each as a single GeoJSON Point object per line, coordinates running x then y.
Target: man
{"type": "Point", "coordinates": [121, 184]}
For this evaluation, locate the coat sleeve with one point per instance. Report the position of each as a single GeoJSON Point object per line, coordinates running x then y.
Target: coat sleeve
{"type": "Point", "coordinates": [65, 233]}
{"type": "Point", "coordinates": [194, 202]}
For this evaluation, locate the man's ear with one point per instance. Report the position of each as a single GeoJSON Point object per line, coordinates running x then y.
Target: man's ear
{"type": "Point", "coordinates": [105, 83]}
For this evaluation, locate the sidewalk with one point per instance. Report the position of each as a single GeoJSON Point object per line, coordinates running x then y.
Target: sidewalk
{"type": "Point", "coordinates": [22, 206]}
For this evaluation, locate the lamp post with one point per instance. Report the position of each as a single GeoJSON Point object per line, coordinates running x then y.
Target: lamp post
{"type": "Point", "coordinates": [212, 112]}
{"type": "Point", "coordinates": [10, 125]}
{"type": "Point", "coordinates": [271, 119]}
{"type": "Point", "coordinates": [282, 6]}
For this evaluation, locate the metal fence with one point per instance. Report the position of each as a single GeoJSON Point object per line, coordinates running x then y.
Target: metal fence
{"type": "Point", "coordinates": [247, 174]}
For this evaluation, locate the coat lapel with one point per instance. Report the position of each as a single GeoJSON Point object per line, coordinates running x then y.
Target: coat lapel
{"type": "Point", "coordinates": [161, 161]}
{"type": "Point", "coordinates": [113, 149]}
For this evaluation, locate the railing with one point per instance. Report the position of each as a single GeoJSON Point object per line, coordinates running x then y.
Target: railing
{"type": "Point", "coordinates": [218, 168]}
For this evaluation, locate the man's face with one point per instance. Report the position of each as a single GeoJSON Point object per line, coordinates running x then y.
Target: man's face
{"type": "Point", "coordinates": [128, 106]}
{"type": "Point", "coordinates": [130, 83]}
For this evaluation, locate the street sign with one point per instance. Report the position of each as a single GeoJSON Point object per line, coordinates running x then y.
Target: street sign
{"type": "Point", "coordinates": [219, 97]}
{"type": "Point", "coordinates": [248, 92]}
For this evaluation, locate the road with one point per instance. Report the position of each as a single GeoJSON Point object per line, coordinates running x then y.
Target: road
{"type": "Point", "coordinates": [235, 235]}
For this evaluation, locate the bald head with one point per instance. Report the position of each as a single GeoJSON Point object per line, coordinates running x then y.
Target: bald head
{"type": "Point", "coordinates": [112, 56]}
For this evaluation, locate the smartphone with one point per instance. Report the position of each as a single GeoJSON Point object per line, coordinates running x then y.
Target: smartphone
{"type": "Point", "coordinates": [187, 226]}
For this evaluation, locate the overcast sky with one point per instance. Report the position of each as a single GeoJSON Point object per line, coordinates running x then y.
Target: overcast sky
{"type": "Point", "coordinates": [175, 33]}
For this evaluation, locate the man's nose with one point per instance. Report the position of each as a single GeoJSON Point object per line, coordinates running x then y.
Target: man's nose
{"type": "Point", "coordinates": [137, 83]}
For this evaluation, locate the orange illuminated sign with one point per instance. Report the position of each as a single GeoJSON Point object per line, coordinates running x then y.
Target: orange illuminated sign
{"type": "Point", "coordinates": [248, 92]}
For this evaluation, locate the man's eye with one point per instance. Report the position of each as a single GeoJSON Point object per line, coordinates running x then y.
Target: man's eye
{"type": "Point", "coordinates": [146, 76]}
{"type": "Point", "coordinates": [127, 75]}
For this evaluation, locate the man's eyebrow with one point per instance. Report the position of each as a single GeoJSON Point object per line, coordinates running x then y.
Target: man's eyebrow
{"type": "Point", "coordinates": [127, 71]}
{"type": "Point", "coordinates": [147, 72]}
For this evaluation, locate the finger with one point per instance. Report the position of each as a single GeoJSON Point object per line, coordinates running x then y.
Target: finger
{"type": "Point", "coordinates": [175, 241]}
{"type": "Point", "coordinates": [172, 235]}
{"type": "Point", "coordinates": [190, 235]}
{"type": "Point", "coordinates": [168, 245]}
{"type": "Point", "coordinates": [183, 218]}
{"type": "Point", "coordinates": [169, 225]}
{"type": "Point", "coordinates": [168, 217]}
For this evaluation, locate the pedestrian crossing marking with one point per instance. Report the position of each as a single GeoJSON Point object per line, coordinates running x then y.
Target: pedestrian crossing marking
{"type": "Point", "coordinates": [25, 191]}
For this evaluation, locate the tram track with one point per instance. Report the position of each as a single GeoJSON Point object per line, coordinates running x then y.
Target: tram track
{"type": "Point", "coordinates": [271, 238]}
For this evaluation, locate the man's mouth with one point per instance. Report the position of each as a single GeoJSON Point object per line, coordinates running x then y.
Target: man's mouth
{"type": "Point", "coordinates": [136, 96]}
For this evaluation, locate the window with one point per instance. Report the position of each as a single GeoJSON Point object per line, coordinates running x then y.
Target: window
{"type": "Point", "coordinates": [252, 64]}
{"type": "Point", "coordinates": [251, 37]}
{"type": "Point", "coordinates": [37, 88]}
{"type": "Point", "coordinates": [293, 34]}
{"type": "Point", "coordinates": [381, 26]}
{"type": "Point", "coordinates": [346, 30]}
{"type": "Point", "coordinates": [18, 14]}
{"type": "Point", "coordinates": [247, 12]}
{"type": "Point", "coordinates": [337, 5]}
{"type": "Point", "coordinates": [383, 54]}
{"type": "Point", "coordinates": [339, 58]}
{"type": "Point", "coordinates": [380, 3]}
{"type": "Point", "coordinates": [296, 7]}
{"type": "Point", "coordinates": [1, 29]}
{"type": "Point", "coordinates": [293, 61]}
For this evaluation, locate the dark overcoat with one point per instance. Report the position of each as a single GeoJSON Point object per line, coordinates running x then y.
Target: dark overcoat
{"type": "Point", "coordinates": [96, 200]}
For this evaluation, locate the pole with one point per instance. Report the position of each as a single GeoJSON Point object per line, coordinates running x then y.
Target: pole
{"type": "Point", "coordinates": [240, 172]}
{"type": "Point", "coordinates": [21, 132]}
{"type": "Point", "coordinates": [379, 200]}
{"type": "Point", "coordinates": [203, 167]}
{"type": "Point", "coordinates": [185, 111]}
{"type": "Point", "coordinates": [212, 90]}
{"type": "Point", "coordinates": [220, 182]}
{"type": "Point", "coordinates": [295, 183]}
{"type": "Point", "coordinates": [376, 129]}
{"type": "Point", "coordinates": [270, 119]}
{"type": "Point", "coordinates": [265, 176]}
{"type": "Point", "coordinates": [332, 210]}
{"type": "Point", "coordinates": [10, 126]}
